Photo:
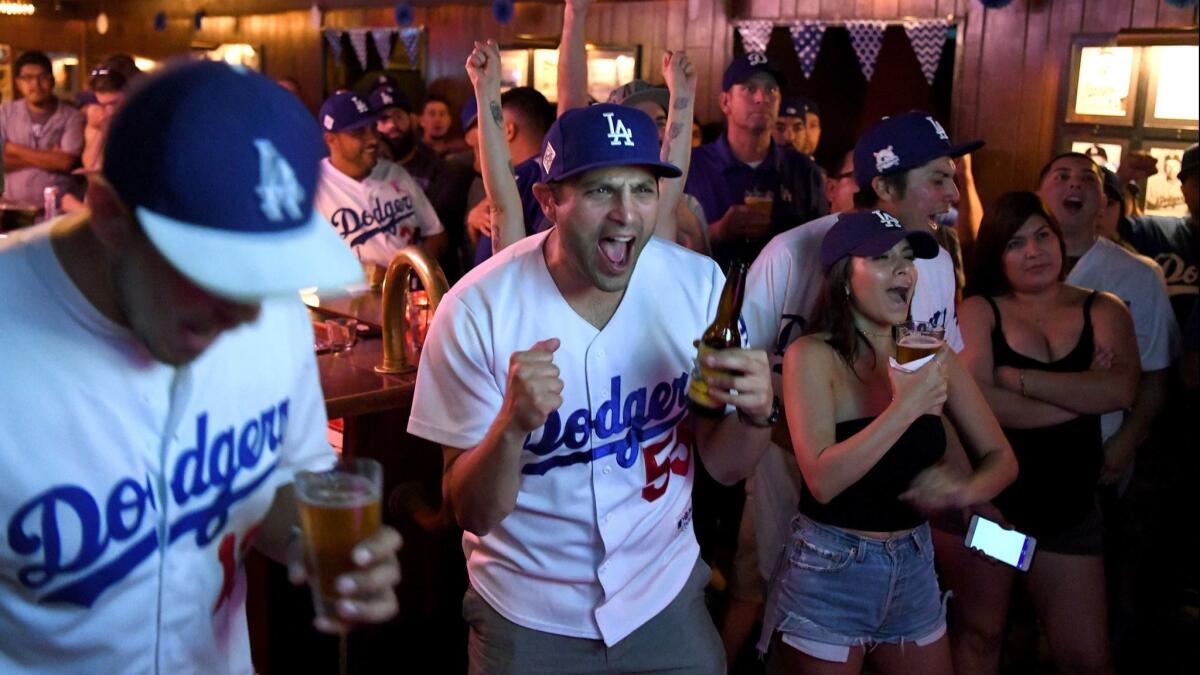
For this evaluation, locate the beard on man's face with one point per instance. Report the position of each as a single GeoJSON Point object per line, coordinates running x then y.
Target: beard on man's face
{"type": "Point", "coordinates": [402, 145]}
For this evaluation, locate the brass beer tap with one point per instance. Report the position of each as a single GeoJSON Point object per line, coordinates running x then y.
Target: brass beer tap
{"type": "Point", "coordinates": [395, 303]}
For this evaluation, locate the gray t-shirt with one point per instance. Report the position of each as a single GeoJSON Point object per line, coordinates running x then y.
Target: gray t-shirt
{"type": "Point", "coordinates": [62, 130]}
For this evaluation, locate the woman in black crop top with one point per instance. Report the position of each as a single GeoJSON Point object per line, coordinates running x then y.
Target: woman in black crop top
{"type": "Point", "coordinates": [857, 582]}
{"type": "Point", "coordinates": [1050, 358]}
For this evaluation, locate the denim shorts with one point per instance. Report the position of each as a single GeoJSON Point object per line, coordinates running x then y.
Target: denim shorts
{"type": "Point", "coordinates": [834, 590]}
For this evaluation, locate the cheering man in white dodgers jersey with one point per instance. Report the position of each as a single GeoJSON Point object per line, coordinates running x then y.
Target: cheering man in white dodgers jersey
{"type": "Point", "coordinates": [160, 387]}
{"type": "Point", "coordinates": [554, 375]}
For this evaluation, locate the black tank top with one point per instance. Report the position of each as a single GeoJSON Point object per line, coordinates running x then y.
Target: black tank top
{"type": "Point", "coordinates": [1059, 464]}
{"type": "Point", "coordinates": [872, 502]}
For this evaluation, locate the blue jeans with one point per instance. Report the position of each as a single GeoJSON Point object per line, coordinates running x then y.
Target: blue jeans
{"type": "Point", "coordinates": [833, 590]}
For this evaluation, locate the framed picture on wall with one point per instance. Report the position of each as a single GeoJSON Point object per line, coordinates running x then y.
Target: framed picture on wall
{"type": "Point", "coordinates": [1103, 83]}
{"type": "Point", "coordinates": [1173, 98]}
{"type": "Point", "coordinates": [6, 82]}
{"type": "Point", "coordinates": [1163, 195]}
{"type": "Point", "coordinates": [1106, 152]}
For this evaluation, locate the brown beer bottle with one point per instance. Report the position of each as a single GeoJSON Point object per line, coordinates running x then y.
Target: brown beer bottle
{"type": "Point", "coordinates": [724, 333]}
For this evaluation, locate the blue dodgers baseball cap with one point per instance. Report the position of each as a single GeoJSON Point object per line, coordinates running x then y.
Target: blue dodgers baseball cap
{"type": "Point", "coordinates": [470, 113]}
{"type": "Point", "coordinates": [746, 66]}
{"type": "Point", "coordinates": [386, 96]}
{"type": "Point", "coordinates": [220, 164]}
{"type": "Point", "coordinates": [346, 111]}
{"type": "Point", "coordinates": [793, 106]}
{"type": "Point", "coordinates": [602, 135]}
{"type": "Point", "coordinates": [870, 233]}
{"type": "Point", "coordinates": [902, 142]}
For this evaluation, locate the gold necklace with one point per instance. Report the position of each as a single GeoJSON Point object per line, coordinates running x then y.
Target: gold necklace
{"type": "Point", "coordinates": [870, 334]}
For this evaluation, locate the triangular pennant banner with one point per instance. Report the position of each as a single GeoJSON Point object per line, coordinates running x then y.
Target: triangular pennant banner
{"type": "Point", "coordinates": [358, 40]}
{"type": "Point", "coordinates": [334, 38]}
{"type": "Point", "coordinates": [928, 37]}
{"type": "Point", "coordinates": [411, 37]}
{"type": "Point", "coordinates": [806, 38]}
{"type": "Point", "coordinates": [867, 38]}
{"type": "Point", "coordinates": [383, 44]}
{"type": "Point", "coordinates": [755, 35]}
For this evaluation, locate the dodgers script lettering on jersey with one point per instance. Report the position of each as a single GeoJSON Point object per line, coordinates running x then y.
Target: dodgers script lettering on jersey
{"type": "Point", "coordinates": [357, 227]}
{"type": "Point", "coordinates": [66, 531]}
{"type": "Point", "coordinates": [644, 414]}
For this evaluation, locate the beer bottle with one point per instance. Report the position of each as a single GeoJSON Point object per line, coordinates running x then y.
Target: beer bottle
{"type": "Point", "coordinates": [724, 333]}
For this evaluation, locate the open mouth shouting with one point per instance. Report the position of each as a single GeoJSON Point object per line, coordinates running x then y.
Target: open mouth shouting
{"type": "Point", "coordinates": [899, 294]}
{"type": "Point", "coordinates": [1072, 204]}
{"type": "Point", "coordinates": [617, 252]}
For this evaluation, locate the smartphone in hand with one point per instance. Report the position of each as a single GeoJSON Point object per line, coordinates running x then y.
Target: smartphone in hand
{"type": "Point", "coordinates": [1007, 546]}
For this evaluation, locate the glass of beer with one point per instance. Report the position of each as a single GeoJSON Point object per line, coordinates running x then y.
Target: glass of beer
{"type": "Point", "coordinates": [338, 509]}
{"type": "Point", "coordinates": [917, 339]}
{"type": "Point", "coordinates": [762, 201]}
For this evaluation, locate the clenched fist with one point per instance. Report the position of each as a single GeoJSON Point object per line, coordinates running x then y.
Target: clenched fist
{"type": "Point", "coordinates": [534, 387]}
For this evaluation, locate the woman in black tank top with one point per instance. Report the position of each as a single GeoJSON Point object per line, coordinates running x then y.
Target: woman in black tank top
{"type": "Point", "coordinates": [857, 582]}
{"type": "Point", "coordinates": [1050, 358]}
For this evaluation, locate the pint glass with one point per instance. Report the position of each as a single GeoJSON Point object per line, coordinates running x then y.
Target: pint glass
{"type": "Point", "coordinates": [338, 509]}
{"type": "Point", "coordinates": [916, 339]}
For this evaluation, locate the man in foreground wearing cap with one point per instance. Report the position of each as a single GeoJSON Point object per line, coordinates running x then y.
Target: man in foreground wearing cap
{"type": "Point", "coordinates": [161, 388]}
{"type": "Point", "coordinates": [372, 203]}
{"type": "Point", "coordinates": [568, 448]}
{"type": "Point", "coordinates": [744, 164]}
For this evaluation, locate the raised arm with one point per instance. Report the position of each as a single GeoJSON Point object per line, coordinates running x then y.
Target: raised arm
{"type": "Point", "coordinates": [572, 57]}
{"type": "Point", "coordinates": [508, 224]}
{"type": "Point", "coordinates": [830, 466]}
{"type": "Point", "coordinates": [1011, 408]}
{"type": "Point", "coordinates": [680, 76]}
{"type": "Point", "coordinates": [481, 484]}
{"type": "Point", "coordinates": [1111, 383]}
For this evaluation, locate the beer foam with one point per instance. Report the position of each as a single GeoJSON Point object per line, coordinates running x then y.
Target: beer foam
{"type": "Point", "coordinates": [338, 490]}
{"type": "Point", "coordinates": [918, 341]}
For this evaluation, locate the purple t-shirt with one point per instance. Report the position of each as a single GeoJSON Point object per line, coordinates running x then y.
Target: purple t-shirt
{"type": "Point", "coordinates": [62, 130]}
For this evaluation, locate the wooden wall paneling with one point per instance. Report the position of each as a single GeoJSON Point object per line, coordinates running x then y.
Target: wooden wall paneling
{"type": "Point", "coordinates": [762, 9]}
{"type": "Point", "coordinates": [620, 23]}
{"type": "Point", "coordinates": [1103, 16]}
{"type": "Point", "coordinates": [968, 86]}
{"type": "Point", "coordinates": [1036, 123]}
{"type": "Point", "coordinates": [699, 32]}
{"type": "Point", "coordinates": [835, 10]}
{"type": "Point", "coordinates": [1143, 13]}
{"type": "Point", "coordinates": [676, 26]}
{"type": "Point", "coordinates": [1169, 16]}
{"type": "Point", "coordinates": [885, 9]}
{"type": "Point", "coordinates": [1001, 96]}
{"type": "Point", "coordinates": [921, 9]}
{"type": "Point", "coordinates": [864, 9]}
{"type": "Point", "coordinates": [807, 9]}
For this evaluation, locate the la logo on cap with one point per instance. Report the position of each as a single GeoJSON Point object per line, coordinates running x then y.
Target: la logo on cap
{"type": "Point", "coordinates": [277, 187]}
{"type": "Point", "coordinates": [756, 58]}
{"type": "Point", "coordinates": [938, 129]}
{"type": "Point", "coordinates": [888, 220]}
{"type": "Point", "coordinates": [886, 159]}
{"type": "Point", "coordinates": [387, 98]}
{"type": "Point", "coordinates": [618, 133]}
{"type": "Point", "coordinates": [359, 105]}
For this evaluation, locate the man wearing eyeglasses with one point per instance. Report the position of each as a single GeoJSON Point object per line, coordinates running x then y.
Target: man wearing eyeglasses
{"type": "Point", "coordinates": [43, 138]}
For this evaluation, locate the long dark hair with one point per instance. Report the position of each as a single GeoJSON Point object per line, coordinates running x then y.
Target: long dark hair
{"type": "Point", "coordinates": [1000, 223]}
{"type": "Point", "coordinates": [833, 314]}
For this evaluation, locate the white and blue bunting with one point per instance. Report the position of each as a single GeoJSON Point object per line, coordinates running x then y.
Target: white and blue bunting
{"type": "Point", "coordinates": [867, 39]}
{"type": "Point", "coordinates": [806, 38]}
{"type": "Point", "coordinates": [755, 35]}
{"type": "Point", "coordinates": [928, 37]}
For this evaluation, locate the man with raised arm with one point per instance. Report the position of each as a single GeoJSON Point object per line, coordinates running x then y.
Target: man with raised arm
{"type": "Point", "coordinates": [569, 452]}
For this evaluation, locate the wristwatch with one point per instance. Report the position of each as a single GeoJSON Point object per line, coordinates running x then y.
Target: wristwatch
{"type": "Point", "coordinates": [767, 423]}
